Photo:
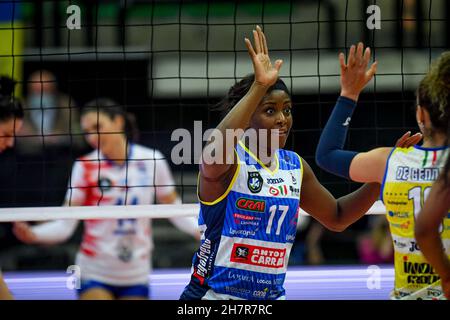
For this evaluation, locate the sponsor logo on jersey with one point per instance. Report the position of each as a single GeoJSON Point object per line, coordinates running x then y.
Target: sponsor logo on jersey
{"type": "Point", "coordinates": [279, 190]}
{"type": "Point", "coordinates": [346, 122]}
{"type": "Point", "coordinates": [294, 180]}
{"type": "Point", "coordinates": [294, 191]}
{"type": "Point", "coordinates": [141, 166]}
{"type": "Point", "coordinates": [416, 174]}
{"type": "Point", "coordinates": [398, 214]}
{"type": "Point", "coordinates": [287, 161]}
{"type": "Point", "coordinates": [290, 237]}
{"type": "Point", "coordinates": [241, 253]}
{"type": "Point", "coordinates": [419, 272]}
{"type": "Point", "coordinates": [240, 277]}
{"type": "Point", "coordinates": [258, 256]}
{"type": "Point", "coordinates": [203, 266]}
{"type": "Point", "coordinates": [397, 203]}
{"type": "Point", "coordinates": [105, 184]}
{"type": "Point", "coordinates": [294, 219]}
{"type": "Point", "coordinates": [404, 225]}
{"type": "Point", "coordinates": [242, 233]}
{"type": "Point", "coordinates": [251, 204]}
{"type": "Point", "coordinates": [401, 294]}
{"type": "Point", "coordinates": [264, 281]}
{"type": "Point", "coordinates": [260, 293]}
{"type": "Point", "coordinates": [243, 219]}
{"type": "Point", "coordinates": [238, 216]}
{"type": "Point", "coordinates": [413, 246]}
{"type": "Point", "coordinates": [274, 180]}
{"type": "Point", "coordinates": [124, 249]}
{"type": "Point", "coordinates": [126, 227]}
{"type": "Point", "coordinates": [422, 279]}
{"type": "Point", "coordinates": [400, 244]}
{"type": "Point", "coordinates": [254, 182]}
{"type": "Point", "coordinates": [433, 292]}
{"type": "Point", "coordinates": [237, 291]}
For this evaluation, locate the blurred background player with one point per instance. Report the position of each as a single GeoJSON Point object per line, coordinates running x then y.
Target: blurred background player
{"type": "Point", "coordinates": [114, 257]}
{"type": "Point", "coordinates": [406, 174]}
{"type": "Point", "coordinates": [52, 119]}
{"type": "Point", "coordinates": [375, 245]}
{"type": "Point", "coordinates": [11, 120]}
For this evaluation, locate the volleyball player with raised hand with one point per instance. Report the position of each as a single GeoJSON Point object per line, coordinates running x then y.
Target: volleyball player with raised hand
{"type": "Point", "coordinates": [406, 174]}
{"type": "Point", "coordinates": [114, 257]}
{"type": "Point", "coordinates": [249, 206]}
{"type": "Point", "coordinates": [11, 120]}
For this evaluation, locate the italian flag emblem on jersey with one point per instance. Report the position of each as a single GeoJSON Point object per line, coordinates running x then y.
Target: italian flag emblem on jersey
{"type": "Point", "coordinates": [275, 191]}
{"type": "Point", "coordinates": [430, 158]}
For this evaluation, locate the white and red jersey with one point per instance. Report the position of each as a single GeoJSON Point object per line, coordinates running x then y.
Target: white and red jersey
{"type": "Point", "coordinates": [117, 251]}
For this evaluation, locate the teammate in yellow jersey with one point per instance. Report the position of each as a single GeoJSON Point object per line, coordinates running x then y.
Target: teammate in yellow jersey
{"type": "Point", "coordinates": [406, 174]}
{"type": "Point", "coordinates": [11, 120]}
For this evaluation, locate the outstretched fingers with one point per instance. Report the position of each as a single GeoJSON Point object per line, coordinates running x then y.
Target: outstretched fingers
{"type": "Point", "coordinates": [278, 64]}
{"type": "Point", "coordinates": [366, 58]}
{"type": "Point", "coordinates": [359, 54]}
{"type": "Point", "coordinates": [400, 142]}
{"type": "Point", "coordinates": [342, 62]}
{"type": "Point", "coordinates": [415, 139]}
{"type": "Point", "coordinates": [257, 41]}
{"type": "Point", "coordinates": [407, 140]}
{"type": "Point", "coordinates": [351, 56]}
{"type": "Point", "coordinates": [373, 69]}
{"type": "Point", "coordinates": [263, 40]}
{"type": "Point", "coordinates": [250, 49]}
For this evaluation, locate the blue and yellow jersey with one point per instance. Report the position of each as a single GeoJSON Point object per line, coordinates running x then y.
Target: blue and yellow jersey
{"type": "Point", "coordinates": [248, 232]}
{"type": "Point", "coordinates": [410, 173]}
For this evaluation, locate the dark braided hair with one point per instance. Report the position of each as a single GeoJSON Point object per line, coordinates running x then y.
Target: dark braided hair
{"type": "Point", "coordinates": [437, 84]}
{"type": "Point", "coordinates": [112, 109]}
{"type": "Point", "coordinates": [239, 90]}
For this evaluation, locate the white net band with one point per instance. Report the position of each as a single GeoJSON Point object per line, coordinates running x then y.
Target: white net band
{"type": "Point", "coordinates": [118, 212]}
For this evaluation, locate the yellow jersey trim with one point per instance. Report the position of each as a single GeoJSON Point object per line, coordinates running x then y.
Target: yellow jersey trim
{"type": "Point", "coordinates": [259, 161]}
{"type": "Point", "coordinates": [236, 173]}
{"type": "Point", "coordinates": [301, 172]}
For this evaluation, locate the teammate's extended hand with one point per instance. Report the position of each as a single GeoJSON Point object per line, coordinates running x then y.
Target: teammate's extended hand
{"type": "Point", "coordinates": [354, 74]}
{"type": "Point", "coordinates": [407, 140]}
{"type": "Point", "coordinates": [23, 232]}
{"type": "Point", "coordinates": [265, 74]}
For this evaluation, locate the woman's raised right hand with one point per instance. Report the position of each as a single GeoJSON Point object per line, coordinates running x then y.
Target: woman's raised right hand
{"type": "Point", "coordinates": [266, 74]}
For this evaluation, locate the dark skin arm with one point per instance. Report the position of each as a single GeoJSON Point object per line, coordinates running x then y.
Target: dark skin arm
{"type": "Point", "coordinates": [435, 209]}
{"type": "Point", "coordinates": [216, 177]}
{"type": "Point", "coordinates": [335, 214]}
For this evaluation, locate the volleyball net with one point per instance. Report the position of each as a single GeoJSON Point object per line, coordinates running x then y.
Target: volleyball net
{"type": "Point", "coordinates": [167, 62]}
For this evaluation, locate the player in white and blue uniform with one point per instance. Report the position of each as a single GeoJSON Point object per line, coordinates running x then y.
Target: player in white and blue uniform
{"type": "Point", "coordinates": [115, 254]}
{"type": "Point", "coordinates": [251, 194]}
